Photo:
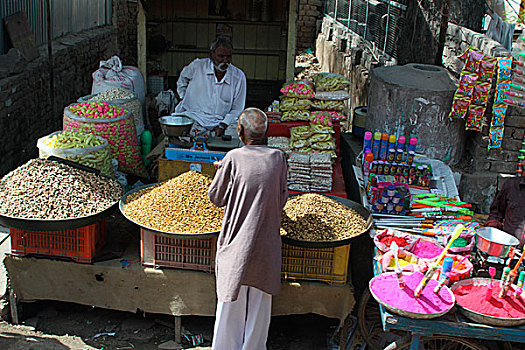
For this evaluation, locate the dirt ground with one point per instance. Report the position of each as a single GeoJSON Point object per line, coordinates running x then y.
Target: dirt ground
{"type": "Point", "coordinates": [57, 325]}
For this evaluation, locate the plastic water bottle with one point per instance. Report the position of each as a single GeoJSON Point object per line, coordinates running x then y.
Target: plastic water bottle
{"type": "Point", "coordinates": [367, 144]}
{"type": "Point", "coordinates": [145, 141]}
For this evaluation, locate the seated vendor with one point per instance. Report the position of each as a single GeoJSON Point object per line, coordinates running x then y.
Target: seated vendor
{"type": "Point", "coordinates": [212, 92]}
{"type": "Point", "coordinates": [507, 211]}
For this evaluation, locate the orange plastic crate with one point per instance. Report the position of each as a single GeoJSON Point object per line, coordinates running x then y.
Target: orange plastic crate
{"type": "Point", "coordinates": [316, 264]}
{"type": "Point", "coordinates": [79, 244]}
{"type": "Point", "coordinates": [157, 249]}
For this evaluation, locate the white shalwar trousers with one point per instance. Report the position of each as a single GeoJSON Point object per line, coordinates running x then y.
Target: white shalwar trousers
{"type": "Point", "coordinates": [244, 323]}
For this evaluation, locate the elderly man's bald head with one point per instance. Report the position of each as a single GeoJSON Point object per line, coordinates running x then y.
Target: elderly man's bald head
{"type": "Point", "coordinates": [254, 123]}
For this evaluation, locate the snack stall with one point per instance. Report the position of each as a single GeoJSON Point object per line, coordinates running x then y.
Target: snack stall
{"type": "Point", "coordinates": [152, 247]}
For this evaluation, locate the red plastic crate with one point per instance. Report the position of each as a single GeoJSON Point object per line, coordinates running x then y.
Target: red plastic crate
{"type": "Point", "coordinates": [79, 244]}
{"type": "Point", "coordinates": [157, 249]}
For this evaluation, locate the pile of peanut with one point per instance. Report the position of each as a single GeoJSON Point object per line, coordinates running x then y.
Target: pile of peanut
{"type": "Point", "coordinates": [179, 205]}
{"type": "Point", "coordinates": [317, 218]}
{"type": "Point", "coordinates": [48, 190]}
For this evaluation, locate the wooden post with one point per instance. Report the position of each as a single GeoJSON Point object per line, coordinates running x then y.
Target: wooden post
{"type": "Point", "coordinates": [442, 33]}
{"type": "Point", "coordinates": [141, 41]}
{"type": "Point", "coordinates": [178, 330]}
{"type": "Point", "coordinates": [13, 305]}
{"type": "Point", "coordinates": [292, 39]}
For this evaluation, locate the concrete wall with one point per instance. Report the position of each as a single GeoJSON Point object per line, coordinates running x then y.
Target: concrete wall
{"type": "Point", "coordinates": [26, 112]}
{"type": "Point", "coordinates": [309, 15]}
{"type": "Point", "coordinates": [482, 171]}
{"type": "Point", "coordinates": [341, 51]}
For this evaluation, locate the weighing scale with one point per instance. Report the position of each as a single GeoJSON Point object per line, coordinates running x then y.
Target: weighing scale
{"type": "Point", "coordinates": [180, 146]}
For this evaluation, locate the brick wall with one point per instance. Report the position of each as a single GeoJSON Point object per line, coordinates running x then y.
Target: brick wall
{"type": "Point", "coordinates": [125, 23]}
{"type": "Point", "coordinates": [26, 113]}
{"type": "Point", "coordinates": [309, 14]}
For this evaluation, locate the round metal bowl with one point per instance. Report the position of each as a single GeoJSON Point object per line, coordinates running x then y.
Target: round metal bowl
{"type": "Point", "coordinates": [406, 313]}
{"type": "Point", "coordinates": [365, 213]}
{"type": "Point", "coordinates": [494, 242]}
{"type": "Point", "coordinates": [481, 318]}
{"type": "Point", "coordinates": [178, 234]}
{"type": "Point", "coordinates": [175, 125]}
{"type": "Point", "coordinates": [60, 224]}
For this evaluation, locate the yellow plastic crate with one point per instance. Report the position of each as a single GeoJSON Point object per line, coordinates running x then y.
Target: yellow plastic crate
{"type": "Point", "coordinates": [316, 264]}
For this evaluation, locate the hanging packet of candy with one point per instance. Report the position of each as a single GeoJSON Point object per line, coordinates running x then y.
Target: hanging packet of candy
{"type": "Point", "coordinates": [473, 60]}
{"type": "Point", "coordinates": [495, 137]}
{"type": "Point", "coordinates": [475, 116]}
{"type": "Point", "coordinates": [460, 105]}
{"type": "Point", "coordinates": [486, 68]}
{"type": "Point", "coordinates": [498, 115]}
{"type": "Point", "coordinates": [467, 81]}
{"type": "Point", "coordinates": [481, 93]}
{"type": "Point", "coordinates": [504, 68]}
{"type": "Point", "coordinates": [500, 92]}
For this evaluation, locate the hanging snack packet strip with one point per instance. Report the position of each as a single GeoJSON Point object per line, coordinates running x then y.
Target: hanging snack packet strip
{"type": "Point", "coordinates": [481, 93]}
{"type": "Point", "coordinates": [495, 137]}
{"type": "Point", "coordinates": [475, 116]}
{"type": "Point", "coordinates": [460, 105]}
{"type": "Point", "coordinates": [486, 68]}
{"type": "Point", "coordinates": [473, 60]}
{"type": "Point", "coordinates": [467, 81]}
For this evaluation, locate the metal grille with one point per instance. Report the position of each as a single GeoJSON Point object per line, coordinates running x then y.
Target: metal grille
{"type": "Point", "coordinates": [377, 21]}
{"type": "Point", "coordinates": [68, 16]}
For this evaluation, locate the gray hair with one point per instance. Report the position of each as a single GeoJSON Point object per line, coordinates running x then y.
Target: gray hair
{"type": "Point", "coordinates": [221, 41]}
{"type": "Point", "coordinates": [254, 122]}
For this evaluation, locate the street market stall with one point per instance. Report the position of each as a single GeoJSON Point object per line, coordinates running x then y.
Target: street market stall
{"type": "Point", "coordinates": [157, 253]}
{"type": "Point", "coordinates": [441, 280]}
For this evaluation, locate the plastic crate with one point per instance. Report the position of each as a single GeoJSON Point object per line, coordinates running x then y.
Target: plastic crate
{"type": "Point", "coordinates": [81, 244]}
{"type": "Point", "coordinates": [157, 249]}
{"type": "Point", "coordinates": [316, 264]}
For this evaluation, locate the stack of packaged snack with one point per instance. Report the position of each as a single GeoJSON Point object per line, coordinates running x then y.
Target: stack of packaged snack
{"type": "Point", "coordinates": [321, 165]}
{"type": "Point", "coordinates": [321, 139]}
{"type": "Point", "coordinates": [295, 102]}
{"type": "Point", "coordinates": [299, 178]}
{"type": "Point", "coordinates": [280, 142]}
{"type": "Point", "coordinates": [300, 139]}
{"type": "Point", "coordinates": [470, 99]}
{"type": "Point", "coordinates": [330, 94]}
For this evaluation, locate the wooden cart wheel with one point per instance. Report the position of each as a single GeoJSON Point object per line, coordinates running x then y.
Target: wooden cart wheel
{"type": "Point", "coordinates": [439, 342]}
{"type": "Point", "coordinates": [369, 323]}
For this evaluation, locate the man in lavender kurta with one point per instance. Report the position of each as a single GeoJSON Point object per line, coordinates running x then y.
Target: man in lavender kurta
{"type": "Point", "coordinates": [251, 183]}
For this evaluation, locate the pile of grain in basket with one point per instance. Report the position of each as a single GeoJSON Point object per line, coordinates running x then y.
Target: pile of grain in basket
{"type": "Point", "coordinates": [317, 218]}
{"type": "Point", "coordinates": [179, 205]}
{"type": "Point", "coordinates": [47, 190]}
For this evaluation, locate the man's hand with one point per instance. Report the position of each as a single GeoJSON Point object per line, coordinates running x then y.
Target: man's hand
{"type": "Point", "coordinates": [219, 130]}
{"type": "Point", "coordinates": [217, 164]}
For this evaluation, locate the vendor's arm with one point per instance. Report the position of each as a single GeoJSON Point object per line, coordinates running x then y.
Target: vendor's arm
{"type": "Point", "coordinates": [238, 102]}
{"type": "Point", "coordinates": [498, 209]}
{"type": "Point", "coordinates": [219, 190]}
{"type": "Point", "coordinates": [186, 75]}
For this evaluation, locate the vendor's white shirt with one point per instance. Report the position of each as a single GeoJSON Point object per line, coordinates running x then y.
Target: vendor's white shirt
{"type": "Point", "coordinates": [208, 101]}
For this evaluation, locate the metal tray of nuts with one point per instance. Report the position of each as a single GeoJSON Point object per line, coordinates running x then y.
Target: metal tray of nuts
{"type": "Point", "coordinates": [365, 213]}
{"type": "Point", "coordinates": [178, 234]}
{"type": "Point", "coordinates": [31, 224]}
